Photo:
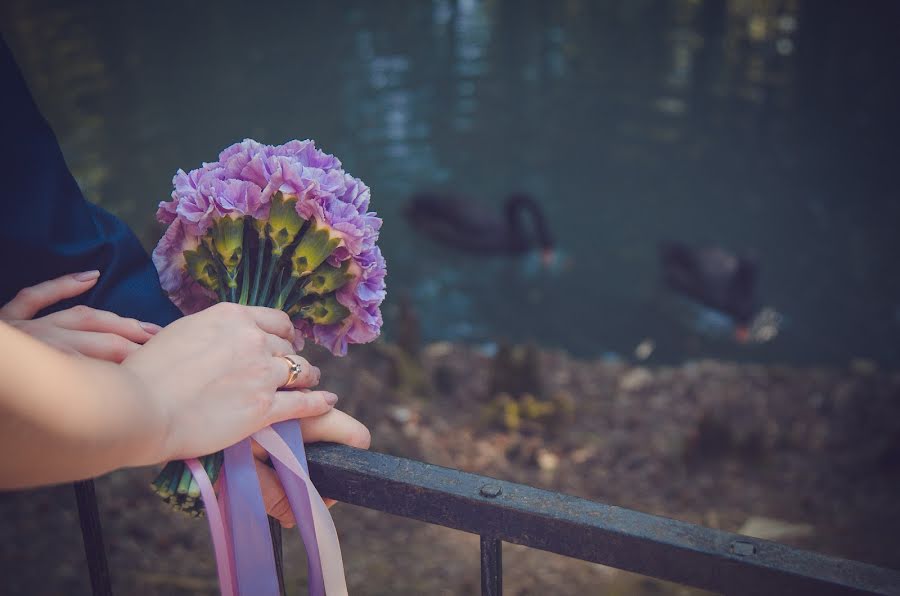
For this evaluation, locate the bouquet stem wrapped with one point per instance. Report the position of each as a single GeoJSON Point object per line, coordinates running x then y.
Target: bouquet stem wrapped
{"type": "Point", "coordinates": [283, 227]}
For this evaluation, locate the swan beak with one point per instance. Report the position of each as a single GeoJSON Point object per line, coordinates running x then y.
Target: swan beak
{"type": "Point", "coordinates": [548, 257]}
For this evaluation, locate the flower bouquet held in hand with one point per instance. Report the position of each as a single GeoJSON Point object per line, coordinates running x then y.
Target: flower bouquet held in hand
{"type": "Point", "coordinates": [284, 227]}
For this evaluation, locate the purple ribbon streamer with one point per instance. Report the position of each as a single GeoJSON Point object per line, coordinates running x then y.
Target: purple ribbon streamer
{"type": "Point", "coordinates": [298, 497]}
{"type": "Point", "coordinates": [248, 523]}
{"type": "Point", "coordinates": [241, 534]}
{"type": "Point", "coordinates": [293, 436]}
{"type": "Point", "coordinates": [329, 544]}
{"type": "Point", "coordinates": [217, 527]}
{"type": "Point", "coordinates": [223, 503]}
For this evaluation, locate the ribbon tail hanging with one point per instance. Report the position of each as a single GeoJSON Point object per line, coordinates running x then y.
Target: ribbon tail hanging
{"type": "Point", "coordinates": [299, 499]}
{"type": "Point", "coordinates": [220, 537]}
{"type": "Point", "coordinates": [249, 525]}
{"type": "Point", "coordinates": [329, 547]}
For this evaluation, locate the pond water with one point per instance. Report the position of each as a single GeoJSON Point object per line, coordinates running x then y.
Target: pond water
{"type": "Point", "coordinates": [768, 128]}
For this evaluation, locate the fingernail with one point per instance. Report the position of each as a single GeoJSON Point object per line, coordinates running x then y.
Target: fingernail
{"type": "Point", "coordinates": [151, 328]}
{"type": "Point", "coordinates": [86, 275]}
{"type": "Point", "coordinates": [331, 399]}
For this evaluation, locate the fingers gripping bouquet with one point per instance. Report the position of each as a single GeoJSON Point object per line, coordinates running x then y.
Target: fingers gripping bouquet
{"type": "Point", "coordinates": [279, 226]}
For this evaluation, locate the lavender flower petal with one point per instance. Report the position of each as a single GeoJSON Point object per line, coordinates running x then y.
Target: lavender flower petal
{"type": "Point", "coordinates": [242, 183]}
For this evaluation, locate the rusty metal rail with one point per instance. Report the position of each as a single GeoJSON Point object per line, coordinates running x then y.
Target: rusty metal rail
{"type": "Point", "coordinates": [647, 544]}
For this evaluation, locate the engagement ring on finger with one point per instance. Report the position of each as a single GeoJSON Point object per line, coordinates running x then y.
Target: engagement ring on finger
{"type": "Point", "coordinates": [294, 370]}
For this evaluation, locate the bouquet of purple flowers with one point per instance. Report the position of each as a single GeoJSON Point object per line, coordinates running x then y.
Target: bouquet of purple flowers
{"type": "Point", "coordinates": [280, 226]}
{"type": "Point", "coordinates": [283, 227]}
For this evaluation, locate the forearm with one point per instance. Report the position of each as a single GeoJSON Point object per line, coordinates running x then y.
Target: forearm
{"type": "Point", "coordinates": [64, 418]}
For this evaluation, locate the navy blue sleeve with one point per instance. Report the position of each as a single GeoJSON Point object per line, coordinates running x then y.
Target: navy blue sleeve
{"type": "Point", "coordinates": [48, 229]}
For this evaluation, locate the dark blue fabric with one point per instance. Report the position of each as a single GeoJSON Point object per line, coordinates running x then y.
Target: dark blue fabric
{"type": "Point", "coordinates": [47, 228]}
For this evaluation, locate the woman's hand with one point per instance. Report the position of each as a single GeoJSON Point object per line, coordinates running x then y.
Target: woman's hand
{"type": "Point", "coordinates": [334, 427]}
{"type": "Point", "coordinates": [250, 341]}
{"type": "Point", "coordinates": [215, 376]}
{"type": "Point", "coordinates": [78, 330]}
{"type": "Point", "coordinates": [205, 382]}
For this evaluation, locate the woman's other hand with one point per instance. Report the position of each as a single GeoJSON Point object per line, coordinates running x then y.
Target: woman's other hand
{"type": "Point", "coordinates": [78, 330]}
{"type": "Point", "coordinates": [332, 427]}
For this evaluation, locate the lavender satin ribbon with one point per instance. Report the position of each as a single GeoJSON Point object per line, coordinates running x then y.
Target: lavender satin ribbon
{"type": "Point", "coordinates": [241, 536]}
{"type": "Point", "coordinates": [249, 525]}
{"type": "Point", "coordinates": [299, 499]}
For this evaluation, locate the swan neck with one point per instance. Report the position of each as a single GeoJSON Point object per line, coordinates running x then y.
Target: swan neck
{"type": "Point", "coordinates": [518, 204]}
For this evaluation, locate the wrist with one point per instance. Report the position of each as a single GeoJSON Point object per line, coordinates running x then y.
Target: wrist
{"type": "Point", "coordinates": [153, 439]}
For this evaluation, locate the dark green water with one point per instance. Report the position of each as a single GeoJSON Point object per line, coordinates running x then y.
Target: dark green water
{"type": "Point", "coordinates": [766, 127]}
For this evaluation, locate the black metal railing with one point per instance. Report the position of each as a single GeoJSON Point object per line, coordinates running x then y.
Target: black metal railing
{"type": "Point", "coordinates": [507, 512]}
{"type": "Point", "coordinates": [656, 546]}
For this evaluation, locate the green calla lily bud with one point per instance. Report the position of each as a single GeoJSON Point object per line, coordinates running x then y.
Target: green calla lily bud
{"type": "Point", "coordinates": [324, 311]}
{"type": "Point", "coordinates": [318, 242]}
{"type": "Point", "coordinates": [202, 267]}
{"type": "Point", "coordinates": [326, 279]}
{"type": "Point", "coordinates": [228, 241]}
{"type": "Point", "coordinates": [284, 222]}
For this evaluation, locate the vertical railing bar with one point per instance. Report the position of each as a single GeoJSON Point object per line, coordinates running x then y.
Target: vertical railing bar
{"type": "Point", "coordinates": [275, 531]}
{"type": "Point", "coordinates": [491, 566]}
{"type": "Point", "coordinates": [92, 534]}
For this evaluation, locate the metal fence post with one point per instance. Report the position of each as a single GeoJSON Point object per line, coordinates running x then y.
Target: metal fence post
{"type": "Point", "coordinates": [278, 551]}
{"type": "Point", "coordinates": [491, 566]}
{"type": "Point", "coordinates": [92, 534]}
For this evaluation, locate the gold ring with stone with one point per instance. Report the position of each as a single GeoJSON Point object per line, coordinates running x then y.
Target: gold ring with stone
{"type": "Point", "coordinates": [294, 370]}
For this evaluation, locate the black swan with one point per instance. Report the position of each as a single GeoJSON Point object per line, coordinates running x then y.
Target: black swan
{"type": "Point", "coordinates": [464, 224]}
{"type": "Point", "coordinates": [715, 278]}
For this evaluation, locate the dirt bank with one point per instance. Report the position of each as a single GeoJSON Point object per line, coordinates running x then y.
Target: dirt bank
{"type": "Point", "coordinates": [708, 442]}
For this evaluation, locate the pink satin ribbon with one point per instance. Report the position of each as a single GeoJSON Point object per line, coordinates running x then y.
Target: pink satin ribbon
{"type": "Point", "coordinates": [220, 535]}
{"type": "Point", "coordinates": [242, 567]}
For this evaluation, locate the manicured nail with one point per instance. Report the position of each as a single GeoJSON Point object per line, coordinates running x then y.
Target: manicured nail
{"type": "Point", "coordinates": [331, 399]}
{"type": "Point", "coordinates": [87, 275]}
{"type": "Point", "coordinates": [151, 328]}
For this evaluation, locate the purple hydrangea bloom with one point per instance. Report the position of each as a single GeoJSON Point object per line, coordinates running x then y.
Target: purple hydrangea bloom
{"type": "Point", "coordinates": [168, 256]}
{"type": "Point", "coordinates": [242, 182]}
{"type": "Point", "coordinates": [362, 297]}
{"type": "Point", "coordinates": [351, 225]}
{"type": "Point", "coordinates": [356, 193]}
{"type": "Point", "coordinates": [235, 196]}
{"type": "Point", "coordinates": [371, 289]}
{"type": "Point", "coordinates": [308, 155]}
{"type": "Point", "coordinates": [192, 200]}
